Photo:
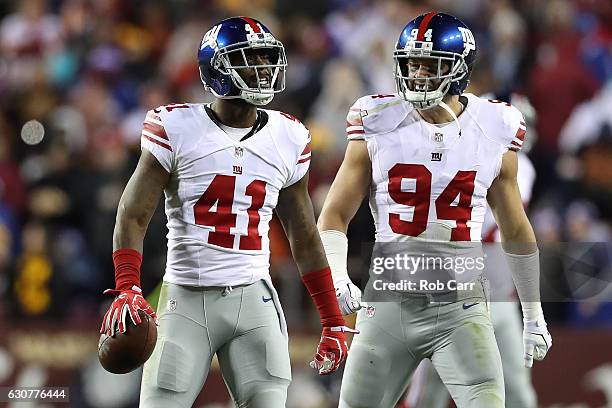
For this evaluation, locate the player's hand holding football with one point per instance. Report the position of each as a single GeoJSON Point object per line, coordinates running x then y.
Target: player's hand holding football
{"type": "Point", "coordinates": [536, 340]}
{"type": "Point", "coordinates": [127, 302]}
{"type": "Point", "coordinates": [127, 292]}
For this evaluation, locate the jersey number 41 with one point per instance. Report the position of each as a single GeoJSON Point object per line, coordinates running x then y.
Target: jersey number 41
{"type": "Point", "coordinates": [221, 192]}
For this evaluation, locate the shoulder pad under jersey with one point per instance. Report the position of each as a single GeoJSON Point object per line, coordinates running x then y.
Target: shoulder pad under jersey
{"type": "Point", "coordinates": [376, 114]}
{"type": "Point", "coordinates": [501, 121]}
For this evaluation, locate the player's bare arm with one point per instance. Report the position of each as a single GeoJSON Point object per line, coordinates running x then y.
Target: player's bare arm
{"type": "Point", "coordinates": [295, 212]}
{"type": "Point", "coordinates": [138, 202]}
{"type": "Point", "coordinates": [343, 200]}
{"type": "Point", "coordinates": [348, 189]}
{"type": "Point", "coordinates": [506, 203]}
{"type": "Point", "coordinates": [294, 209]}
{"type": "Point", "coordinates": [519, 242]}
{"type": "Point", "coordinates": [136, 207]}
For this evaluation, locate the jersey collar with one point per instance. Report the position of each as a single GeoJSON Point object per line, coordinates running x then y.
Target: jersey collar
{"type": "Point", "coordinates": [260, 121]}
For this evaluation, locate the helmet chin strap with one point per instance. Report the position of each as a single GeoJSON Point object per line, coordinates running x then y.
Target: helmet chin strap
{"type": "Point", "coordinates": [450, 111]}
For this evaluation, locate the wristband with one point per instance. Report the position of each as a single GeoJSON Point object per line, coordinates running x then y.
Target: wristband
{"type": "Point", "coordinates": [127, 268]}
{"type": "Point", "coordinates": [321, 289]}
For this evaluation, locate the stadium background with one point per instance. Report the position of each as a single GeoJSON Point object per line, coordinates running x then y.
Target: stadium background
{"type": "Point", "coordinates": [89, 70]}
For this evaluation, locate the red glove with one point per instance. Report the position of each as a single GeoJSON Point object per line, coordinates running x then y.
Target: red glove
{"type": "Point", "coordinates": [332, 349]}
{"type": "Point", "coordinates": [126, 302]}
{"type": "Point", "coordinates": [128, 293]}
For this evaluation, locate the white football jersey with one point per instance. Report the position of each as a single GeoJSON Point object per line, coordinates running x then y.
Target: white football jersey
{"type": "Point", "coordinates": [428, 179]}
{"type": "Point", "coordinates": [222, 193]}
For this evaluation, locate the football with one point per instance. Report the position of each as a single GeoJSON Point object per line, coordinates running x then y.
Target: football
{"type": "Point", "coordinates": [127, 351]}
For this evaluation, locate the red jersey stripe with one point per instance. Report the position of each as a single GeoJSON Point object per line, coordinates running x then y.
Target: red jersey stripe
{"type": "Point", "coordinates": [520, 134]}
{"type": "Point", "coordinates": [423, 26]}
{"type": "Point", "coordinates": [352, 132]}
{"type": "Point", "coordinates": [157, 130]}
{"type": "Point", "coordinates": [157, 142]}
{"type": "Point", "coordinates": [304, 160]}
{"type": "Point", "coordinates": [307, 150]}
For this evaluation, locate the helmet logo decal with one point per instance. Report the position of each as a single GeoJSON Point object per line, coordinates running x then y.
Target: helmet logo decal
{"type": "Point", "coordinates": [210, 38]}
{"type": "Point", "coordinates": [469, 44]}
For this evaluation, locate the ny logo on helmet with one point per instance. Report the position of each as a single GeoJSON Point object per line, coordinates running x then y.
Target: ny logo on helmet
{"type": "Point", "coordinates": [210, 38]}
{"type": "Point", "coordinates": [469, 44]}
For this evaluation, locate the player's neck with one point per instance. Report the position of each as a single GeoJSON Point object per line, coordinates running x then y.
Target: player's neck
{"type": "Point", "coordinates": [439, 114]}
{"type": "Point", "coordinates": [234, 112]}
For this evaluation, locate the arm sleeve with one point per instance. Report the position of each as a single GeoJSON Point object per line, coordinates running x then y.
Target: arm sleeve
{"type": "Point", "coordinates": [155, 139]}
{"type": "Point", "coordinates": [335, 244]}
{"type": "Point", "coordinates": [302, 162]}
{"type": "Point", "coordinates": [526, 276]}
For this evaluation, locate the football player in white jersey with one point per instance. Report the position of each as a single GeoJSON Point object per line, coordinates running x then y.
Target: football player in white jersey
{"type": "Point", "coordinates": [426, 389]}
{"type": "Point", "coordinates": [431, 157]}
{"type": "Point", "coordinates": [224, 168]}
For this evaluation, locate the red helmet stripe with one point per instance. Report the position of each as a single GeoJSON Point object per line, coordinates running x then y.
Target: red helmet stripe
{"type": "Point", "coordinates": [423, 26]}
{"type": "Point", "coordinates": [252, 23]}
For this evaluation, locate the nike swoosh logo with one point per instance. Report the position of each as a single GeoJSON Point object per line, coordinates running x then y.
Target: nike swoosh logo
{"type": "Point", "coordinates": [266, 299]}
{"type": "Point", "coordinates": [466, 306]}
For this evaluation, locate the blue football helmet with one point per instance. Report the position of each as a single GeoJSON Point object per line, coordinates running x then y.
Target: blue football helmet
{"type": "Point", "coordinates": [445, 45]}
{"type": "Point", "coordinates": [235, 48]}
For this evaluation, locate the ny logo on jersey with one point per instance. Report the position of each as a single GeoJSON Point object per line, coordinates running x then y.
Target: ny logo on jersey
{"type": "Point", "coordinates": [210, 38]}
{"type": "Point", "coordinates": [436, 156]}
{"type": "Point", "coordinates": [237, 169]}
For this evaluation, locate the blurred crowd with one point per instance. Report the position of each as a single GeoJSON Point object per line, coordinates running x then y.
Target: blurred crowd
{"type": "Point", "coordinates": [89, 70]}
